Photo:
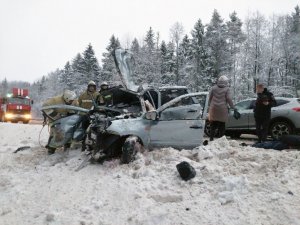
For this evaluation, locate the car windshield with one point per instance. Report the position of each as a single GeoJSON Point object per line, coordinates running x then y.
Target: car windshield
{"type": "Point", "coordinates": [20, 101]}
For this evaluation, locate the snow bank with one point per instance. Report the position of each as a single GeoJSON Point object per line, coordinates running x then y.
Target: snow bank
{"type": "Point", "coordinates": [233, 185]}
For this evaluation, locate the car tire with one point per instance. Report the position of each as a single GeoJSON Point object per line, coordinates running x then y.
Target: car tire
{"type": "Point", "coordinates": [26, 122]}
{"type": "Point", "coordinates": [3, 119]}
{"type": "Point", "coordinates": [279, 128]}
{"type": "Point", "coordinates": [129, 149]}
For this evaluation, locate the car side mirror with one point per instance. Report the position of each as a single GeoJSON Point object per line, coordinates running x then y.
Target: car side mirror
{"type": "Point", "coordinates": [31, 102]}
{"type": "Point", "coordinates": [151, 115]}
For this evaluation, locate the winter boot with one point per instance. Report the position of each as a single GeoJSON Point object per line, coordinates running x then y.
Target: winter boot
{"type": "Point", "coordinates": [51, 150]}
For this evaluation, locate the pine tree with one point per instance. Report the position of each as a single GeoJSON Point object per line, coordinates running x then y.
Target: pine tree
{"type": "Point", "coordinates": [216, 45]}
{"type": "Point", "coordinates": [63, 77]}
{"type": "Point", "coordinates": [109, 71]}
{"type": "Point", "coordinates": [149, 40]}
{"type": "Point", "coordinates": [67, 78]}
{"type": "Point", "coordinates": [4, 87]}
{"type": "Point", "coordinates": [78, 72]}
{"type": "Point", "coordinates": [78, 64]}
{"type": "Point", "coordinates": [296, 20]}
{"type": "Point", "coordinates": [163, 53]}
{"type": "Point", "coordinates": [199, 72]}
{"type": "Point", "coordinates": [148, 65]}
{"type": "Point", "coordinates": [42, 85]}
{"type": "Point", "coordinates": [184, 60]}
{"type": "Point", "coordinates": [185, 56]}
{"type": "Point", "coordinates": [91, 65]}
{"type": "Point", "coordinates": [135, 47]}
{"type": "Point", "coordinates": [167, 63]}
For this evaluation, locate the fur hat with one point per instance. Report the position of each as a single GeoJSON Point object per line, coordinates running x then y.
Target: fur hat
{"type": "Point", "coordinates": [223, 78]}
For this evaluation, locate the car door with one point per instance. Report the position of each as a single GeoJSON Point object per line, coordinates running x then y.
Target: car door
{"type": "Point", "coordinates": [180, 123]}
{"type": "Point", "coordinates": [246, 110]}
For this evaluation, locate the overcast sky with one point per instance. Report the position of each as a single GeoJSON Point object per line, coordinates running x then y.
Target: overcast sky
{"type": "Point", "coordinates": [38, 36]}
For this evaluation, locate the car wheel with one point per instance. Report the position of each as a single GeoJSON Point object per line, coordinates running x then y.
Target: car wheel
{"type": "Point", "coordinates": [130, 147]}
{"type": "Point", "coordinates": [3, 119]}
{"type": "Point", "coordinates": [280, 128]}
{"type": "Point", "coordinates": [25, 122]}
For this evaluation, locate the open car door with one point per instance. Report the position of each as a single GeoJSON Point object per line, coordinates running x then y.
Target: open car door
{"type": "Point", "coordinates": [180, 122]}
{"type": "Point", "coordinates": [67, 128]}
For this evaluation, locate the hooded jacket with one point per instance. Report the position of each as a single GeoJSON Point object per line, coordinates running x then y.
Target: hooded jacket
{"type": "Point", "coordinates": [219, 99]}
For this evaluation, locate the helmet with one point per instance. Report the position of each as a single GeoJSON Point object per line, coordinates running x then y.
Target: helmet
{"type": "Point", "coordinates": [69, 95]}
{"type": "Point", "coordinates": [92, 83]}
{"type": "Point", "coordinates": [104, 83]}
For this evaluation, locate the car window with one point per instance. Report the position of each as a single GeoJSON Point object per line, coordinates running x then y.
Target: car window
{"type": "Point", "coordinates": [244, 105]}
{"type": "Point", "coordinates": [188, 112]}
{"type": "Point", "coordinates": [185, 109]}
{"type": "Point", "coordinates": [20, 101]}
{"type": "Point", "coordinates": [183, 102]}
{"type": "Point", "coordinates": [153, 99]}
{"type": "Point", "coordinates": [169, 94]}
{"type": "Point", "coordinates": [281, 102]}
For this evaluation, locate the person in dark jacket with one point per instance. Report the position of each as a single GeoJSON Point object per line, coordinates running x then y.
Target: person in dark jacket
{"type": "Point", "coordinates": [285, 142]}
{"type": "Point", "coordinates": [219, 99]}
{"type": "Point", "coordinates": [262, 111]}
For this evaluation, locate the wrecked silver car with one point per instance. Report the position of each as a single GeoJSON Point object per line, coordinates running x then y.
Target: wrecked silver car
{"type": "Point", "coordinates": [145, 117]}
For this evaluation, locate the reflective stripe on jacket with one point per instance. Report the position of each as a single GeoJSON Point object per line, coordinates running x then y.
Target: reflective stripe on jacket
{"type": "Point", "coordinates": [87, 98]}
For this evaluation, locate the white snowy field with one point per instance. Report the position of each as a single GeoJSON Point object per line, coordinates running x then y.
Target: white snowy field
{"type": "Point", "coordinates": [233, 185]}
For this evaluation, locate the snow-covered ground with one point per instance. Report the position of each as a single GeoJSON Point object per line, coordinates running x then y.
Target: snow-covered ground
{"type": "Point", "coordinates": [233, 185]}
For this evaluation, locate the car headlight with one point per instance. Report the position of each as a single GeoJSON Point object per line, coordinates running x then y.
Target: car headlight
{"type": "Point", "coordinates": [9, 115]}
{"type": "Point", "coordinates": [27, 116]}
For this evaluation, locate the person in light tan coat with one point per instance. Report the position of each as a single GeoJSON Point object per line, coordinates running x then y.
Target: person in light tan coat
{"type": "Point", "coordinates": [219, 99]}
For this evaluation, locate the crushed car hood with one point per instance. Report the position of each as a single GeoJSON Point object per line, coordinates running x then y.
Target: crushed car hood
{"type": "Point", "coordinates": [124, 62]}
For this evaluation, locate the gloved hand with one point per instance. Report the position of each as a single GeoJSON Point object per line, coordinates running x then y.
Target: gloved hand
{"type": "Point", "coordinates": [236, 114]}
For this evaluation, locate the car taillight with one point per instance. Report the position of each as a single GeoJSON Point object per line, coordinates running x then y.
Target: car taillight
{"type": "Point", "coordinates": [297, 109]}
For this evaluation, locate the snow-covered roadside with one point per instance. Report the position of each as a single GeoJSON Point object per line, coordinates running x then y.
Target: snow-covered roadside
{"type": "Point", "coordinates": [233, 185]}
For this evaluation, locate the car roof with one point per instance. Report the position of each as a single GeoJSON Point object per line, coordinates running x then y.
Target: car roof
{"type": "Point", "coordinates": [172, 87]}
{"type": "Point", "coordinates": [281, 98]}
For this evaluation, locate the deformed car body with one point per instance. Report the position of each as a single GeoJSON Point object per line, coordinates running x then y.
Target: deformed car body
{"type": "Point", "coordinates": [145, 116]}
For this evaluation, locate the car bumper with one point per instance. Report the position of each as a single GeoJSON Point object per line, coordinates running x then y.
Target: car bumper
{"type": "Point", "coordinates": [17, 117]}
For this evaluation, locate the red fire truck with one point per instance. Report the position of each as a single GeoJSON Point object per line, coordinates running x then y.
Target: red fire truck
{"type": "Point", "coordinates": [16, 106]}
